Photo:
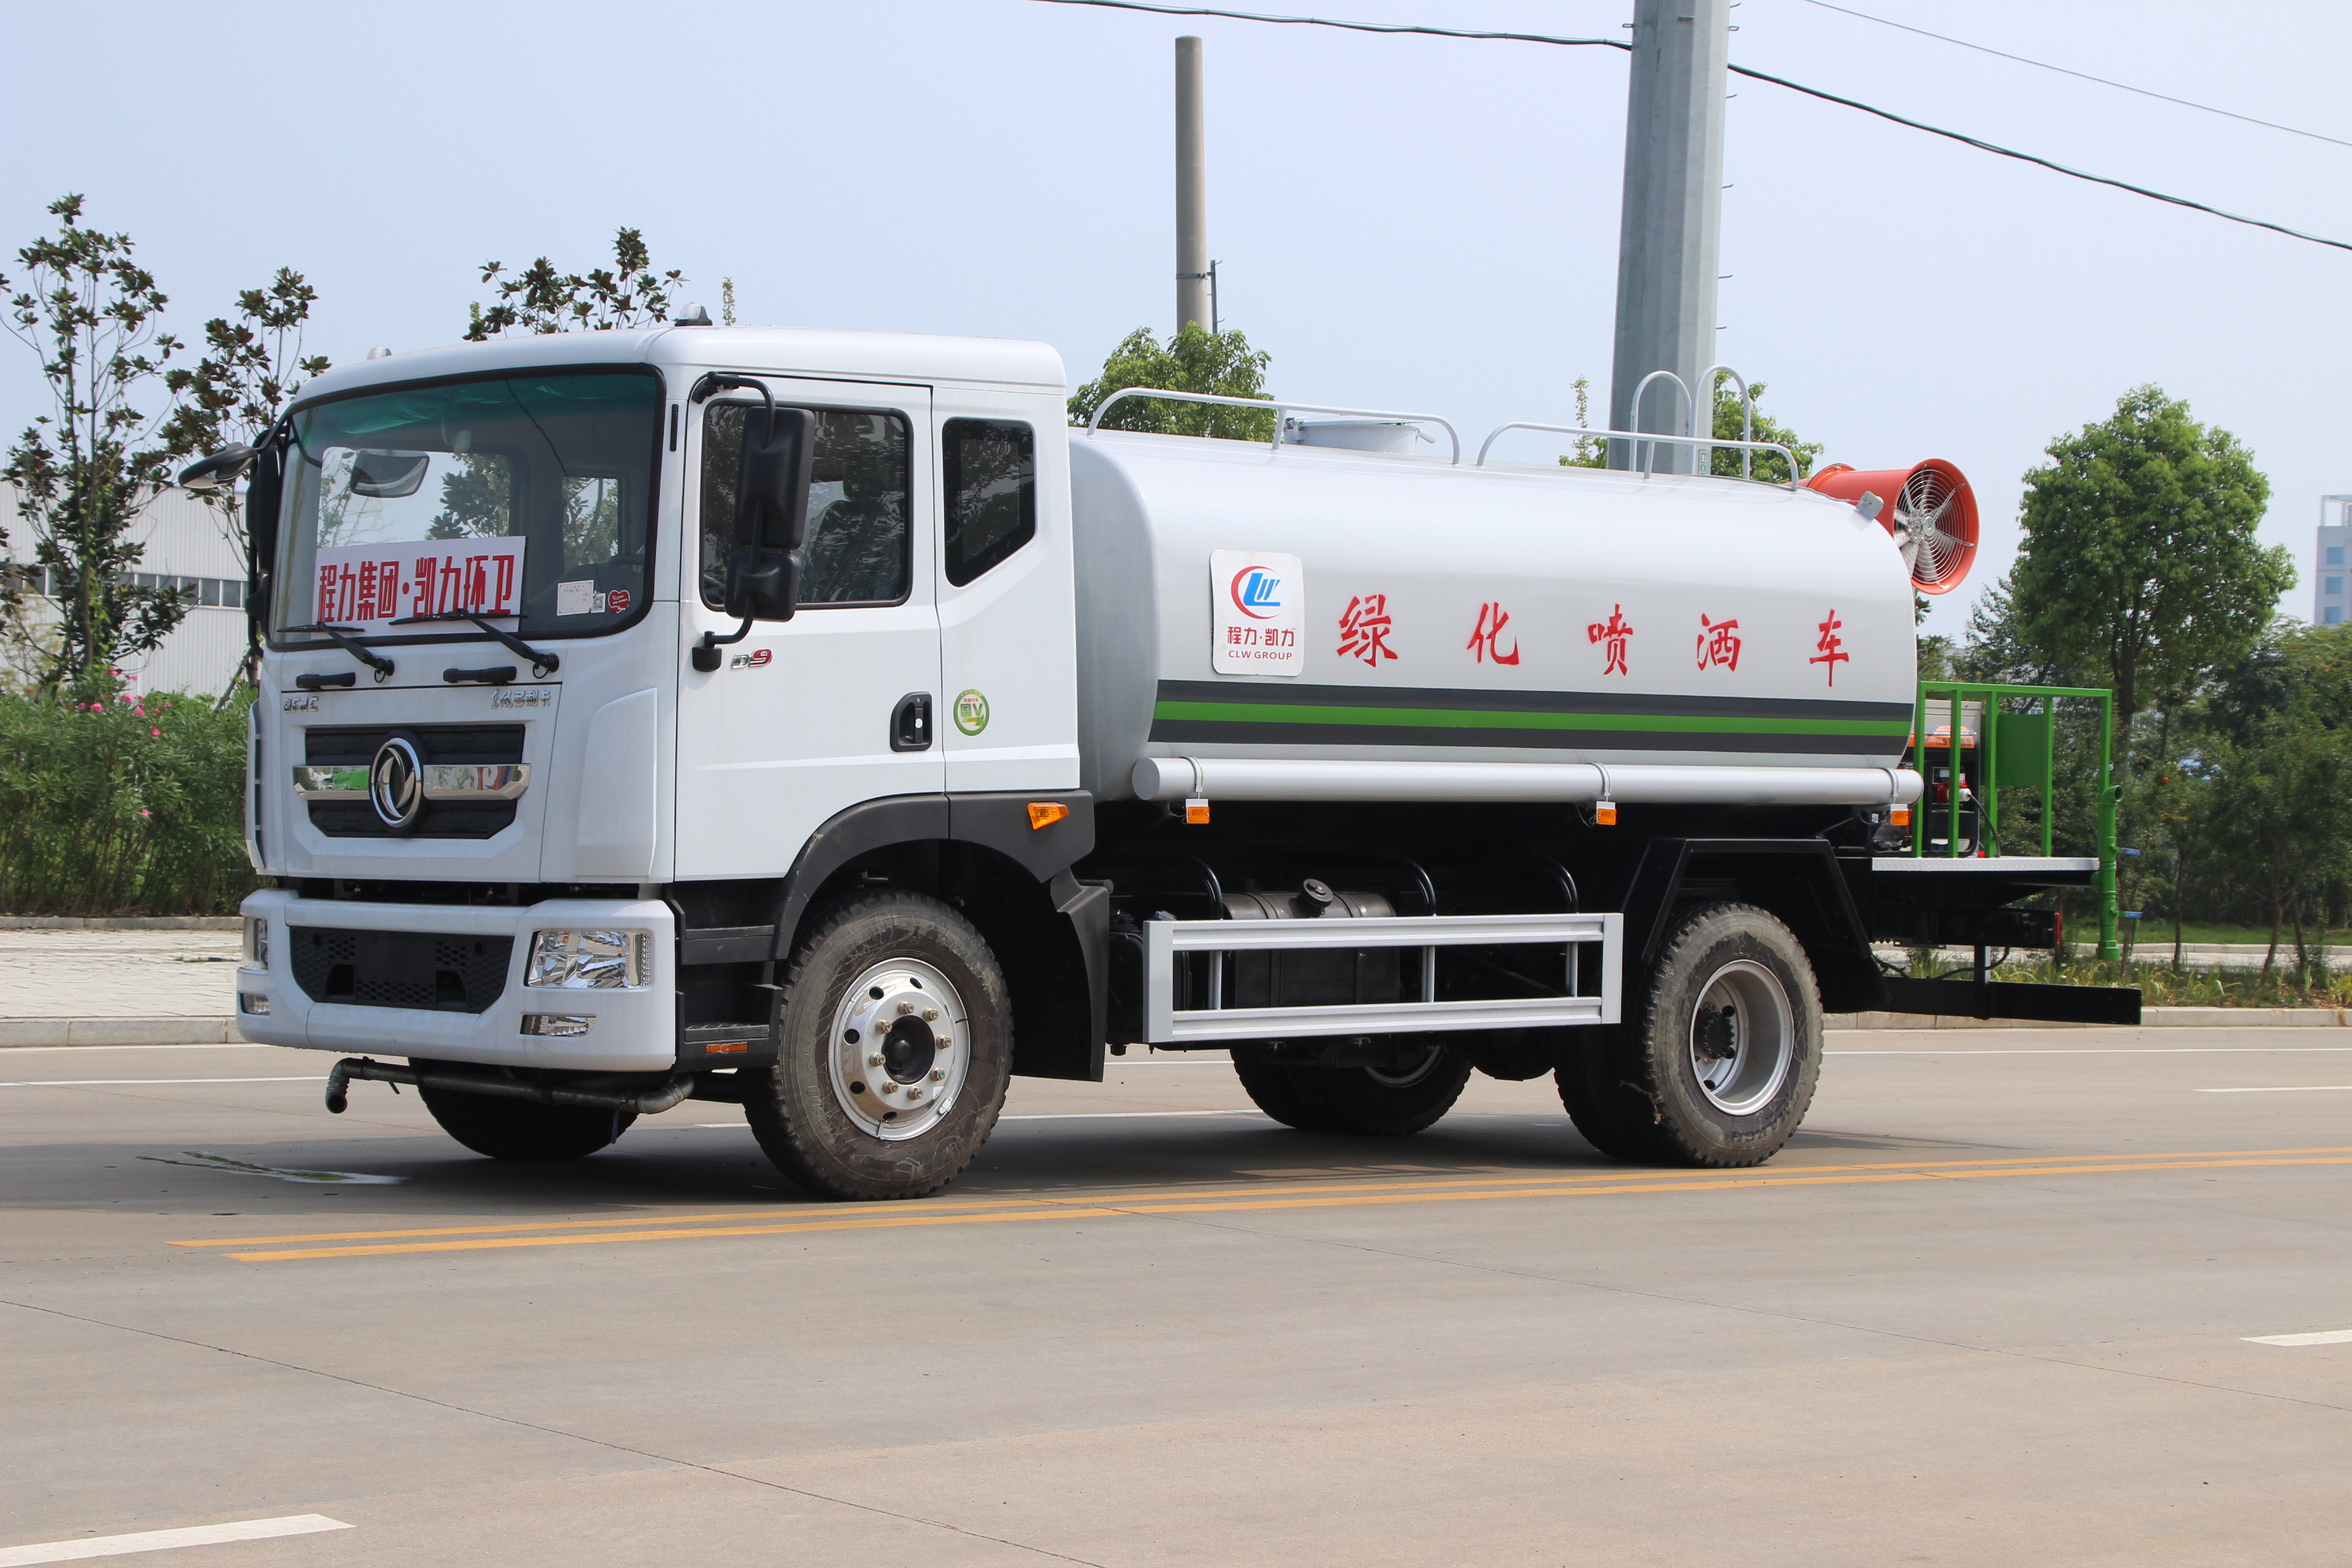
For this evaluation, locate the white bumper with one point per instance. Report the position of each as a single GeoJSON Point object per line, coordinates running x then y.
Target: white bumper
{"type": "Point", "coordinates": [634, 1028]}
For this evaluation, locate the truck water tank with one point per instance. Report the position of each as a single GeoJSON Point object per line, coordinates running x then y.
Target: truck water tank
{"type": "Point", "coordinates": [1315, 623]}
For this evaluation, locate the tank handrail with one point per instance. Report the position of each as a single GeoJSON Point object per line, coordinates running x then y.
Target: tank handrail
{"type": "Point", "coordinates": [1278, 407]}
{"type": "Point", "coordinates": [1642, 436]}
{"type": "Point", "coordinates": [1747, 410]}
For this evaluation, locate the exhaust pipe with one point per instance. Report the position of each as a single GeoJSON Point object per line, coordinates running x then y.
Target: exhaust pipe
{"type": "Point", "coordinates": [644, 1102]}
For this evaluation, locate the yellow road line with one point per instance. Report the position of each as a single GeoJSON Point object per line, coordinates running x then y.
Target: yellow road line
{"type": "Point", "coordinates": [1061, 1202]}
{"type": "Point", "coordinates": [1850, 1176]}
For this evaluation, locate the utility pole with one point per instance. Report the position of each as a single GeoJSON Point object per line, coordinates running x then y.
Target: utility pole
{"type": "Point", "coordinates": [1672, 228]}
{"type": "Point", "coordinates": [1191, 192]}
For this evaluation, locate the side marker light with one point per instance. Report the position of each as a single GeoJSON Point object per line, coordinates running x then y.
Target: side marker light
{"type": "Point", "coordinates": [1045, 813]}
{"type": "Point", "coordinates": [1900, 816]}
{"type": "Point", "coordinates": [1196, 811]}
{"type": "Point", "coordinates": [1604, 814]}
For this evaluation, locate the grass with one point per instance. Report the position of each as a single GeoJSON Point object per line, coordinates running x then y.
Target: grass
{"type": "Point", "coordinates": [2161, 986]}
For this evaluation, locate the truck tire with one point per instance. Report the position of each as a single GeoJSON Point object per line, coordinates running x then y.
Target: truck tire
{"type": "Point", "coordinates": [894, 1049]}
{"type": "Point", "coordinates": [1717, 1058]}
{"type": "Point", "coordinates": [1366, 1101]}
{"type": "Point", "coordinates": [1272, 1088]}
{"type": "Point", "coordinates": [518, 1130]}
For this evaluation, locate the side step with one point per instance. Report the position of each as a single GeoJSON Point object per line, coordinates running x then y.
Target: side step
{"type": "Point", "coordinates": [1167, 1024]}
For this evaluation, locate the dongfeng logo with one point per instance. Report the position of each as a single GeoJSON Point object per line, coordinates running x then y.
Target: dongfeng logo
{"type": "Point", "coordinates": [1257, 593]}
{"type": "Point", "coordinates": [396, 787]}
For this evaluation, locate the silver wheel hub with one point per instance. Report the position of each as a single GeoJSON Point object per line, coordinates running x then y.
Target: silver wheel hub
{"type": "Point", "coordinates": [1743, 1037]}
{"type": "Point", "coordinates": [901, 1050]}
{"type": "Point", "coordinates": [1409, 1070]}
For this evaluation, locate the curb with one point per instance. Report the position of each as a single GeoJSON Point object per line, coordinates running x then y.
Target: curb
{"type": "Point", "coordinates": [2150, 1018]}
{"type": "Point", "coordinates": [21, 1031]}
{"type": "Point", "coordinates": [118, 922]}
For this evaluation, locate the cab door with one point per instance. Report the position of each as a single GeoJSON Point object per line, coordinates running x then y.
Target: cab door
{"type": "Point", "coordinates": [805, 717]}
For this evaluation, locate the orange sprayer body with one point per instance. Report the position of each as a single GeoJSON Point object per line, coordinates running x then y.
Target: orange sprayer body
{"type": "Point", "coordinates": [1933, 496]}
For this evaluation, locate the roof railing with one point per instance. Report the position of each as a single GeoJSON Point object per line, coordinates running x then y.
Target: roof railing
{"type": "Point", "coordinates": [1277, 406]}
{"type": "Point", "coordinates": [1644, 441]}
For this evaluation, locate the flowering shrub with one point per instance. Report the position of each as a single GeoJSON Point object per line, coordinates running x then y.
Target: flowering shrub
{"type": "Point", "coordinates": [130, 805]}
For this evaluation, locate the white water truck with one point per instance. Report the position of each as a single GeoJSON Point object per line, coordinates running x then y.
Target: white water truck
{"type": "Point", "coordinates": [816, 722]}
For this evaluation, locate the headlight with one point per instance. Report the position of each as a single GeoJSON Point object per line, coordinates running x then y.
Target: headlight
{"type": "Point", "coordinates": [588, 960]}
{"type": "Point", "coordinates": [257, 942]}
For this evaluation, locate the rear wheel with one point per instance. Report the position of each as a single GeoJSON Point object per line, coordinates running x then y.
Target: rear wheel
{"type": "Point", "coordinates": [896, 1049]}
{"type": "Point", "coordinates": [1418, 1085]}
{"type": "Point", "coordinates": [1717, 1063]}
{"type": "Point", "coordinates": [519, 1130]}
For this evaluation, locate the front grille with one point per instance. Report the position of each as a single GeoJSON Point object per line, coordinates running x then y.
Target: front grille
{"type": "Point", "coordinates": [423, 970]}
{"type": "Point", "coordinates": [355, 747]}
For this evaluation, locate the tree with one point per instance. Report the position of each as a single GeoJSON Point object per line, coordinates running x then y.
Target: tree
{"type": "Point", "coordinates": [85, 470]}
{"type": "Point", "coordinates": [539, 298]}
{"type": "Point", "coordinates": [1194, 360]}
{"type": "Point", "coordinates": [1592, 451]}
{"type": "Point", "coordinates": [251, 368]}
{"type": "Point", "coordinates": [2139, 567]}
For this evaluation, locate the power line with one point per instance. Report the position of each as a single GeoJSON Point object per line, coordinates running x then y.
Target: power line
{"type": "Point", "coordinates": [2079, 75]}
{"type": "Point", "coordinates": [1961, 137]}
{"type": "Point", "coordinates": [1344, 26]}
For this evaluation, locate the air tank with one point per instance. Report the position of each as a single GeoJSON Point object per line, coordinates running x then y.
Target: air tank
{"type": "Point", "coordinates": [1312, 623]}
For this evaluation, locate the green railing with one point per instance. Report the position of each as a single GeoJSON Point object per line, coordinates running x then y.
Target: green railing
{"type": "Point", "coordinates": [2019, 750]}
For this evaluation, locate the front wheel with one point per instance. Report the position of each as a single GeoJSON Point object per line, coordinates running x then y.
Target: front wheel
{"type": "Point", "coordinates": [896, 1049]}
{"type": "Point", "coordinates": [1717, 1058]}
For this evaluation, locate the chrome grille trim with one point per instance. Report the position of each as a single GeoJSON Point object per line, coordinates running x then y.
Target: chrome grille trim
{"type": "Point", "coordinates": [441, 781]}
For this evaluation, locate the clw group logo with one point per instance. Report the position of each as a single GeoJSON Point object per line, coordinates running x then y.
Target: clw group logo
{"type": "Point", "coordinates": [1255, 605]}
{"type": "Point", "coordinates": [1257, 593]}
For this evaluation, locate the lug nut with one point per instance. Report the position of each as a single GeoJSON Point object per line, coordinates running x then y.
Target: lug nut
{"type": "Point", "coordinates": [875, 1060]}
{"type": "Point", "coordinates": [905, 1008]}
{"type": "Point", "coordinates": [943, 1042]}
{"type": "Point", "coordinates": [939, 1075]}
{"type": "Point", "coordinates": [930, 1014]}
{"type": "Point", "coordinates": [914, 1094]}
{"type": "Point", "coordinates": [889, 1088]}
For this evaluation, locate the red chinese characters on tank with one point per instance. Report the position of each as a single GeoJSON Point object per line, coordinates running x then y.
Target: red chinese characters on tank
{"type": "Point", "coordinates": [1612, 635]}
{"type": "Point", "coordinates": [1831, 650]}
{"type": "Point", "coordinates": [1719, 642]}
{"type": "Point", "coordinates": [1485, 637]}
{"type": "Point", "coordinates": [1364, 628]}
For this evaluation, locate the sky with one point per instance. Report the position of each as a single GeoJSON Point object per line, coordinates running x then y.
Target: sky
{"type": "Point", "coordinates": [1402, 222]}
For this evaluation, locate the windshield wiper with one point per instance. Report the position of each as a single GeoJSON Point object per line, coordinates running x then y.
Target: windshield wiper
{"type": "Point", "coordinates": [541, 664]}
{"type": "Point", "coordinates": [342, 637]}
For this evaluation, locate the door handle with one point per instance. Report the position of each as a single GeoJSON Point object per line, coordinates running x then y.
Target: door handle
{"type": "Point", "coordinates": [910, 722]}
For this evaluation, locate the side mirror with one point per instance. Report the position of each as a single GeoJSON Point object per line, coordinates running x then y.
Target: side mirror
{"type": "Point", "coordinates": [221, 469]}
{"type": "Point", "coordinates": [772, 502]}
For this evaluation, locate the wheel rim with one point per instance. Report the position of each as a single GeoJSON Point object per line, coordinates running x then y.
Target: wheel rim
{"type": "Point", "coordinates": [1412, 1073]}
{"type": "Point", "coordinates": [1743, 1036]}
{"type": "Point", "coordinates": [901, 1050]}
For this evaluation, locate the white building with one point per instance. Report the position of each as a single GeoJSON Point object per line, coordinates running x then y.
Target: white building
{"type": "Point", "coordinates": [187, 544]}
{"type": "Point", "coordinates": [2329, 570]}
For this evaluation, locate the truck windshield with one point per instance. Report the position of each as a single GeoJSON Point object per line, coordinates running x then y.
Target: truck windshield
{"type": "Point", "coordinates": [525, 499]}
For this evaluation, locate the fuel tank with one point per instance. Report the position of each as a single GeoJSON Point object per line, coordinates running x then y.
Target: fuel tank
{"type": "Point", "coordinates": [1397, 624]}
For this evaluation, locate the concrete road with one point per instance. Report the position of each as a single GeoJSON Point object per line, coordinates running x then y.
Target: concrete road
{"type": "Point", "coordinates": [1994, 1306]}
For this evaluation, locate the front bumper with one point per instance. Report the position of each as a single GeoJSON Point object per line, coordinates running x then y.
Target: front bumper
{"type": "Point", "coordinates": [636, 1028]}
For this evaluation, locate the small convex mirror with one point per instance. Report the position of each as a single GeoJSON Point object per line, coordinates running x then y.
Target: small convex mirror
{"type": "Point", "coordinates": [772, 504]}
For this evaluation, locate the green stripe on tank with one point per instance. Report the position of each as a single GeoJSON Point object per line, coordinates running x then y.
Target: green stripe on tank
{"type": "Point", "coordinates": [1489, 718]}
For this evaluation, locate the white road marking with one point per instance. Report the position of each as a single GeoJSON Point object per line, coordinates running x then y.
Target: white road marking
{"type": "Point", "coordinates": [163, 1539]}
{"type": "Point", "coordinates": [2105, 1051]}
{"type": "Point", "coordinates": [204, 1162]}
{"type": "Point", "coordinates": [2330, 1337]}
{"type": "Point", "coordinates": [105, 1082]}
{"type": "Point", "coordinates": [2284, 1089]}
{"type": "Point", "coordinates": [1119, 1115]}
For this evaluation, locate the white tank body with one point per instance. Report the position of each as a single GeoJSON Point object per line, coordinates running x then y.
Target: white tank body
{"type": "Point", "coordinates": [1497, 624]}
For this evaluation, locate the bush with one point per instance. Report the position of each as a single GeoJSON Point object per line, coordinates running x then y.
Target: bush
{"type": "Point", "coordinates": [130, 805]}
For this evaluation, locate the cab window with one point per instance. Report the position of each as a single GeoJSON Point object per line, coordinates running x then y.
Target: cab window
{"type": "Point", "coordinates": [992, 493]}
{"type": "Point", "coordinates": [857, 551]}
